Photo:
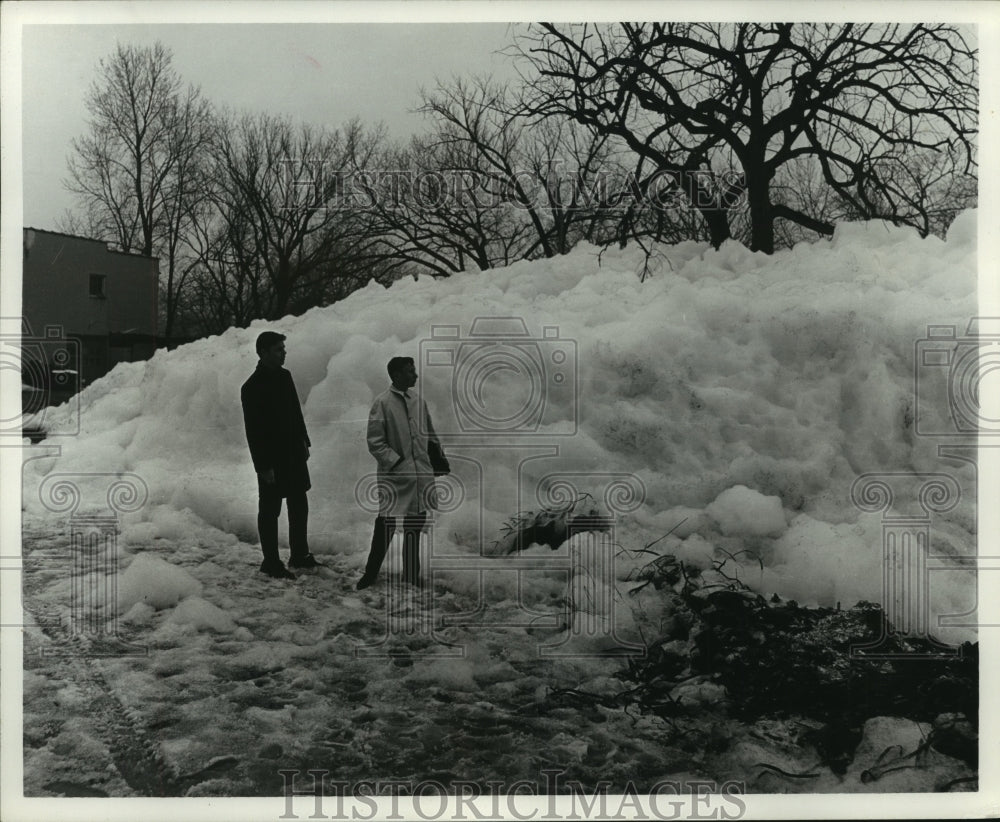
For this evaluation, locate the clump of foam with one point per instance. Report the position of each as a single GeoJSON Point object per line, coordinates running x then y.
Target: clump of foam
{"type": "Point", "coordinates": [741, 511]}
{"type": "Point", "coordinates": [202, 615]}
{"type": "Point", "coordinates": [154, 582]}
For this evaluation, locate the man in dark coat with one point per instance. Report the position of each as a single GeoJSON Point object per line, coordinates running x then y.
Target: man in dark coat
{"type": "Point", "coordinates": [279, 447]}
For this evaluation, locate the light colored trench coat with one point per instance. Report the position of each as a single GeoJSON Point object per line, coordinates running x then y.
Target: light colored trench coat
{"type": "Point", "coordinates": [399, 429]}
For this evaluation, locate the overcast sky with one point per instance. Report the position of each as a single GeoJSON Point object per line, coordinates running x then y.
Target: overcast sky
{"type": "Point", "coordinates": [320, 73]}
{"type": "Point", "coordinates": [324, 73]}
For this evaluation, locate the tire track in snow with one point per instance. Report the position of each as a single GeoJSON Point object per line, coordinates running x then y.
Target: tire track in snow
{"type": "Point", "coordinates": [138, 759]}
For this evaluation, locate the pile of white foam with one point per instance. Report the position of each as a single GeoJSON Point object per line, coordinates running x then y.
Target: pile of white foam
{"type": "Point", "coordinates": [744, 394]}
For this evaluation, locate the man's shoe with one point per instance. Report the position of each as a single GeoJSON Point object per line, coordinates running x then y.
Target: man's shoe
{"type": "Point", "coordinates": [363, 583]}
{"type": "Point", "coordinates": [308, 561]}
{"type": "Point", "coordinates": [277, 571]}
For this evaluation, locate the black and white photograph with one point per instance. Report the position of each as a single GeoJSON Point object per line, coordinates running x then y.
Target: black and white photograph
{"type": "Point", "coordinates": [428, 411]}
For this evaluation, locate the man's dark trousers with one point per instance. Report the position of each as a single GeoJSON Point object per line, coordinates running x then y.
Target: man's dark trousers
{"type": "Point", "coordinates": [385, 527]}
{"type": "Point", "coordinates": [268, 511]}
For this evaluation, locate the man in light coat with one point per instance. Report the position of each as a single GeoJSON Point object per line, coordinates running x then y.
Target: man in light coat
{"type": "Point", "coordinates": [399, 435]}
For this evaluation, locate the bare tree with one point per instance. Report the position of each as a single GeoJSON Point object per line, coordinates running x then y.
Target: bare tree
{"type": "Point", "coordinates": [926, 189]}
{"type": "Point", "coordinates": [283, 205]}
{"type": "Point", "coordinates": [191, 130]}
{"type": "Point", "coordinates": [556, 173]}
{"type": "Point", "coordinates": [82, 224]}
{"type": "Point", "coordinates": [136, 172]}
{"type": "Point", "coordinates": [429, 215]}
{"type": "Point", "coordinates": [118, 170]}
{"type": "Point", "coordinates": [799, 186]}
{"type": "Point", "coordinates": [485, 136]}
{"type": "Point", "coordinates": [247, 214]}
{"type": "Point", "coordinates": [227, 278]}
{"type": "Point", "coordinates": [489, 185]}
{"type": "Point", "coordinates": [579, 178]}
{"type": "Point", "coordinates": [722, 107]}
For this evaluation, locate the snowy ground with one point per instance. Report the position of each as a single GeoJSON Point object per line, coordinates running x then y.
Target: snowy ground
{"type": "Point", "coordinates": [731, 399]}
{"type": "Point", "coordinates": [226, 695]}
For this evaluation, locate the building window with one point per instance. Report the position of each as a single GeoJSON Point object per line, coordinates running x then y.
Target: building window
{"type": "Point", "coordinates": [97, 283]}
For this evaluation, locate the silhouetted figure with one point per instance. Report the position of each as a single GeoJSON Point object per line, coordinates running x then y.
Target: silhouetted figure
{"type": "Point", "coordinates": [279, 447]}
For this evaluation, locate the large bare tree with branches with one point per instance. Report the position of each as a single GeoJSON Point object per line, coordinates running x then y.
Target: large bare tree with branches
{"type": "Point", "coordinates": [432, 216]}
{"type": "Point", "coordinates": [721, 108]}
{"type": "Point", "coordinates": [491, 184]}
{"type": "Point", "coordinates": [283, 212]}
{"type": "Point", "coordinates": [136, 171]}
{"type": "Point", "coordinates": [119, 168]}
{"type": "Point", "coordinates": [184, 194]}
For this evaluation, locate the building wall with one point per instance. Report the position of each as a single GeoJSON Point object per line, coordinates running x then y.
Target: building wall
{"type": "Point", "coordinates": [56, 292]}
{"type": "Point", "coordinates": [57, 269]}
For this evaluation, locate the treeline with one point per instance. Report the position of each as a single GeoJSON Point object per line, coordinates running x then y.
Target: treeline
{"type": "Point", "coordinates": [631, 133]}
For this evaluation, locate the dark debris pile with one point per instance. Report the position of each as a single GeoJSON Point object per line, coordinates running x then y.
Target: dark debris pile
{"type": "Point", "coordinates": [776, 659]}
